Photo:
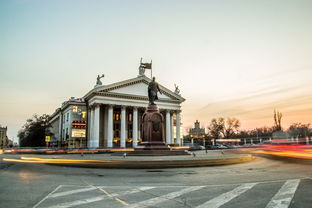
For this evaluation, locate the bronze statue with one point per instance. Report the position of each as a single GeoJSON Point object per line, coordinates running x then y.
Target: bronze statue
{"type": "Point", "coordinates": [153, 88]}
{"type": "Point", "coordinates": [177, 90]}
{"type": "Point", "coordinates": [98, 79]}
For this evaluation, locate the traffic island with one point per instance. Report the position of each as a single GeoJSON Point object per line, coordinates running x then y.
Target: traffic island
{"type": "Point", "coordinates": [139, 162]}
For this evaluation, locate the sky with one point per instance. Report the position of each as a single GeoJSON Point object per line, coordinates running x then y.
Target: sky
{"type": "Point", "coordinates": [230, 58]}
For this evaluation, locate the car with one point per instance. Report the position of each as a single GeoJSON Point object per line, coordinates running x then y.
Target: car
{"type": "Point", "coordinates": [218, 146]}
{"type": "Point", "coordinates": [197, 147]}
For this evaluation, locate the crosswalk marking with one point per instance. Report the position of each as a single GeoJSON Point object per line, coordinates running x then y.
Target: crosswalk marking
{"type": "Point", "coordinates": [65, 196]}
{"type": "Point", "coordinates": [163, 198]}
{"type": "Point", "coordinates": [42, 200]}
{"type": "Point", "coordinates": [71, 192]}
{"type": "Point", "coordinates": [226, 197]}
{"type": "Point", "coordinates": [98, 198]}
{"type": "Point", "coordinates": [284, 196]}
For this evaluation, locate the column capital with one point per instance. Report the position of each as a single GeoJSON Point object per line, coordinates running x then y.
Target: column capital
{"type": "Point", "coordinates": [178, 111]}
{"type": "Point", "coordinates": [123, 107]}
{"type": "Point", "coordinates": [94, 105]}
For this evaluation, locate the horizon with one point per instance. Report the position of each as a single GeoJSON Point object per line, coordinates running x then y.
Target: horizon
{"type": "Point", "coordinates": [237, 59]}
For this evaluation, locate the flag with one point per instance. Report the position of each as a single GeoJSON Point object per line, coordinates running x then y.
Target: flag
{"type": "Point", "coordinates": [146, 65]}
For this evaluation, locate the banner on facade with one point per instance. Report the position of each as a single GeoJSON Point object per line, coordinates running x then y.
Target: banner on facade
{"type": "Point", "coordinates": [78, 133]}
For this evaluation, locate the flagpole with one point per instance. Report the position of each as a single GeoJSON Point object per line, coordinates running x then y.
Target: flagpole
{"type": "Point", "coordinates": [151, 70]}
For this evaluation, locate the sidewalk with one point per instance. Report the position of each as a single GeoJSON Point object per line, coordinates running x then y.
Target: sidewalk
{"type": "Point", "coordinates": [200, 159]}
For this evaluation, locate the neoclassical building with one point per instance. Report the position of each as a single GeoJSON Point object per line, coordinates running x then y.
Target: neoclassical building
{"type": "Point", "coordinates": [113, 115]}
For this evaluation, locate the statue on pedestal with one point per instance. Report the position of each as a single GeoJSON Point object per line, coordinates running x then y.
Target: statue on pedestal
{"type": "Point", "coordinates": [98, 81]}
{"type": "Point", "coordinates": [144, 66]}
{"type": "Point", "coordinates": [153, 89]}
{"type": "Point", "coordinates": [177, 90]}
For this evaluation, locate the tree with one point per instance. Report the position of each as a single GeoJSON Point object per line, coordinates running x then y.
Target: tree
{"type": "Point", "coordinates": [299, 130]}
{"type": "Point", "coordinates": [231, 127]}
{"type": "Point", "coordinates": [34, 131]}
{"type": "Point", "coordinates": [215, 128]}
{"type": "Point", "coordinates": [262, 132]}
{"type": "Point", "coordinates": [278, 120]}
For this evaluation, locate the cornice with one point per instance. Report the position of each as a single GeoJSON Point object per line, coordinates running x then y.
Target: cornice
{"type": "Point", "coordinates": [133, 97]}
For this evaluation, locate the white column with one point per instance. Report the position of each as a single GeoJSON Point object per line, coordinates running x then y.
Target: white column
{"type": "Point", "coordinates": [171, 130]}
{"type": "Point", "coordinates": [60, 127]}
{"type": "Point", "coordinates": [135, 127]}
{"type": "Point", "coordinates": [91, 125]}
{"type": "Point", "coordinates": [110, 126]}
{"type": "Point", "coordinates": [105, 126]}
{"type": "Point", "coordinates": [178, 128]}
{"type": "Point", "coordinates": [139, 124]}
{"type": "Point", "coordinates": [96, 128]}
{"type": "Point", "coordinates": [168, 128]}
{"type": "Point", "coordinates": [123, 127]}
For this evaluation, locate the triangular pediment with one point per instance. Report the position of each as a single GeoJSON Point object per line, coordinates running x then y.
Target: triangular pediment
{"type": "Point", "coordinates": [136, 87]}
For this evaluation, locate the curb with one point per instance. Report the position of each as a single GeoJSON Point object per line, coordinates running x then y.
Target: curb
{"type": "Point", "coordinates": [151, 164]}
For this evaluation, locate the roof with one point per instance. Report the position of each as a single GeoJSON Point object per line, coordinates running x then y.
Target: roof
{"type": "Point", "coordinates": [135, 88]}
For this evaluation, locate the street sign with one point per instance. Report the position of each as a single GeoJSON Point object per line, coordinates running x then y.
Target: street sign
{"type": "Point", "coordinates": [47, 138]}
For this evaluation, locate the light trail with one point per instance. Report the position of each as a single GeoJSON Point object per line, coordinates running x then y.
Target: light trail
{"type": "Point", "coordinates": [283, 150]}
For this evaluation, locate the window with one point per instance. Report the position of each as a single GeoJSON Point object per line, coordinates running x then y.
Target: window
{"type": "Point", "coordinates": [75, 108]}
{"type": "Point", "coordinates": [84, 114]}
{"type": "Point", "coordinates": [117, 117]}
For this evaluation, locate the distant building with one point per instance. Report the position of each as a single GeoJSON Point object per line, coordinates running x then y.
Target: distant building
{"type": "Point", "coordinates": [197, 133]}
{"type": "Point", "coordinates": [110, 115]}
{"type": "Point", "coordinates": [4, 141]}
{"type": "Point", "coordinates": [68, 124]}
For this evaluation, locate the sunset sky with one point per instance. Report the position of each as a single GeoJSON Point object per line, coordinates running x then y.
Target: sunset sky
{"type": "Point", "coordinates": [237, 58]}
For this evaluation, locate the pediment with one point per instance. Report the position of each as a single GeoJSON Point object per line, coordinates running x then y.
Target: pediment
{"type": "Point", "coordinates": [136, 87]}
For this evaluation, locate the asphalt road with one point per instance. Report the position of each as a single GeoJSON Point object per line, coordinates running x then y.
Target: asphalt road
{"type": "Point", "coordinates": [261, 183]}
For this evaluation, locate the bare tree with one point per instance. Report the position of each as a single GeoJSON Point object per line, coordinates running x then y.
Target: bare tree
{"type": "Point", "coordinates": [277, 120]}
{"type": "Point", "coordinates": [299, 130]}
{"type": "Point", "coordinates": [231, 127]}
{"type": "Point", "coordinates": [215, 128]}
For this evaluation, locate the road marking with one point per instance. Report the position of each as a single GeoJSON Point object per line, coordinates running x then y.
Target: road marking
{"type": "Point", "coordinates": [98, 198]}
{"type": "Point", "coordinates": [226, 197]}
{"type": "Point", "coordinates": [71, 192]}
{"type": "Point", "coordinates": [110, 195]}
{"type": "Point", "coordinates": [284, 196]}
{"type": "Point", "coordinates": [153, 201]}
{"type": "Point", "coordinates": [36, 205]}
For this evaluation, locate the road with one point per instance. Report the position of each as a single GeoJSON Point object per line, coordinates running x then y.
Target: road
{"type": "Point", "coordinates": [261, 183]}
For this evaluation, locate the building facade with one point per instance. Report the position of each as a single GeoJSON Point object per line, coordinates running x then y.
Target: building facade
{"type": "Point", "coordinates": [197, 133]}
{"type": "Point", "coordinates": [68, 124]}
{"type": "Point", "coordinates": [4, 141]}
{"type": "Point", "coordinates": [113, 115]}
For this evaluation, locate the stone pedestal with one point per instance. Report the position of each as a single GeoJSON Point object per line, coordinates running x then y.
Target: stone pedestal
{"type": "Point", "coordinates": [153, 136]}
